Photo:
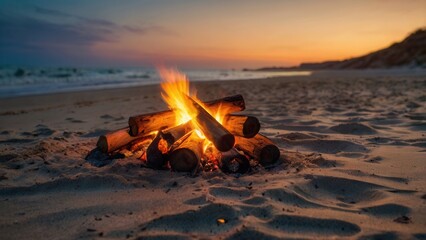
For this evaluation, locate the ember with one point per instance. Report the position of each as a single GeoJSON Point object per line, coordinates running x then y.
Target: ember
{"type": "Point", "coordinates": [193, 135]}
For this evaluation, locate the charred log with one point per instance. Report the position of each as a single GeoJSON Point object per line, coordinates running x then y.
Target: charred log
{"type": "Point", "coordinates": [233, 162]}
{"type": "Point", "coordinates": [186, 157]}
{"type": "Point", "coordinates": [156, 154]}
{"type": "Point", "coordinates": [260, 148]}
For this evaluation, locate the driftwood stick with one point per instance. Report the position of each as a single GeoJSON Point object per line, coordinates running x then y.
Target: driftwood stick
{"type": "Point", "coordinates": [186, 157]}
{"type": "Point", "coordinates": [261, 148]}
{"type": "Point", "coordinates": [243, 126]}
{"type": "Point", "coordinates": [146, 123]}
{"type": "Point", "coordinates": [221, 138]}
{"type": "Point", "coordinates": [159, 147]}
{"type": "Point", "coordinates": [233, 162]}
{"type": "Point", "coordinates": [114, 140]}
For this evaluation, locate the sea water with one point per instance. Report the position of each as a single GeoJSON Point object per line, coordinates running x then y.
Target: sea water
{"type": "Point", "coordinates": [18, 81]}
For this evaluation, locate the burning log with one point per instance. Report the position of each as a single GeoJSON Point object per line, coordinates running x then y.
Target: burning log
{"type": "Point", "coordinates": [186, 156]}
{"type": "Point", "coordinates": [233, 162]}
{"type": "Point", "coordinates": [175, 133]}
{"type": "Point", "coordinates": [260, 148]}
{"type": "Point", "coordinates": [243, 126]}
{"type": "Point", "coordinates": [141, 143]}
{"type": "Point", "coordinates": [160, 146]}
{"type": "Point", "coordinates": [221, 138]}
{"type": "Point", "coordinates": [155, 153]}
{"type": "Point", "coordinates": [146, 123]}
{"type": "Point", "coordinates": [114, 140]}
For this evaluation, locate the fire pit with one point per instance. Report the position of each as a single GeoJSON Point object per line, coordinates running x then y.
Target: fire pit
{"type": "Point", "coordinates": [193, 135]}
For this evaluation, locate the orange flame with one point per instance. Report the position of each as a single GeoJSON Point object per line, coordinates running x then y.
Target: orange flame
{"type": "Point", "coordinates": [176, 88]}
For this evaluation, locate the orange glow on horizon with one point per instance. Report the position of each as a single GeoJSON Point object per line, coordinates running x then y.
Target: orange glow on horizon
{"type": "Point", "coordinates": [270, 34]}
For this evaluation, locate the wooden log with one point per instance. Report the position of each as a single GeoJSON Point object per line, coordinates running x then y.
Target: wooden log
{"type": "Point", "coordinates": [233, 162]}
{"type": "Point", "coordinates": [186, 157]}
{"type": "Point", "coordinates": [156, 152]}
{"type": "Point", "coordinates": [221, 138]}
{"type": "Point", "coordinates": [173, 134]}
{"type": "Point", "coordinates": [243, 126]}
{"type": "Point", "coordinates": [114, 140]}
{"type": "Point", "coordinates": [146, 123]}
{"type": "Point", "coordinates": [260, 148]}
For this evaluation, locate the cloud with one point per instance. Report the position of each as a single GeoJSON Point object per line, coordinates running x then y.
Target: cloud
{"type": "Point", "coordinates": [51, 35]}
{"type": "Point", "coordinates": [32, 32]}
{"type": "Point", "coordinates": [101, 23]}
{"type": "Point", "coordinates": [51, 12]}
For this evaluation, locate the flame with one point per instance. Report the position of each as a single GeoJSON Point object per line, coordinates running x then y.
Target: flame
{"type": "Point", "coordinates": [175, 89]}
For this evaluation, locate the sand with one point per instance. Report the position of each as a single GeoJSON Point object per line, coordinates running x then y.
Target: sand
{"type": "Point", "coordinates": [353, 165]}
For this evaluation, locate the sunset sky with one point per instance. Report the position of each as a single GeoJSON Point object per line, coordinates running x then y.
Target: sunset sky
{"type": "Point", "coordinates": [202, 34]}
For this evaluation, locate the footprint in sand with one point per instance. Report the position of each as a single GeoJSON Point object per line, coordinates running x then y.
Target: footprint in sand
{"type": "Point", "coordinates": [324, 146]}
{"type": "Point", "coordinates": [70, 119]}
{"type": "Point", "coordinates": [255, 201]}
{"type": "Point", "coordinates": [197, 201]}
{"type": "Point", "coordinates": [291, 198]}
{"type": "Point", "coordinates": [263, 213]}
{"type": "Point", "coordinates": [112, 118]}
{"type": "Point", "coordinates": [226, 192]}
{"type": "Point", "coordinates": [342, 191]}
{"type": "Point", "coordinates": [7, 157]}
{"type": "Point", "coordinates": [95, 133]}
{"type": "Point", "coordinates": [384, 235]}
{"type": "Point", "coordinates": [41, 130]}
{"type": "Point", "coordinates": [389, 210]}
{"type": "Point", "coordinates": [250, 233]}
{"type": "Point", "coordinates": [80, 182]}
{"type": "Point", "coordinates": [313, 226]}
{"type": "Point", "coordinates": [200, 221]}
{"type": "Point", "coordinates": [353, 128]}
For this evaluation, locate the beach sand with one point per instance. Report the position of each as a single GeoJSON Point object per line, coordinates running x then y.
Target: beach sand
{"type": "Point", "coordinates": [353, 153]}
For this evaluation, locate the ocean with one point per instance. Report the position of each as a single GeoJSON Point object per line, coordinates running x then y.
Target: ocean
{"type": "Point", "coordinates": [15, 81]}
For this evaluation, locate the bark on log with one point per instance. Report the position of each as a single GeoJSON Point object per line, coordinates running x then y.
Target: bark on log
{"type": "Point", "coordinates": [114, 140]}
{"type": "Point", "coordinates": [146, 123]}
{"type": "Point", "coordinates": [221, 138]}
{"type": "Point", "coordinates": [159, 147]}
{"type": "Point", "coordinates": [186, 157]}
{"type": "Point", "coordinates": [233, 162]}
{"type": "Point", "coordinates": [260, 148]}
{"type": "Point", "coordinates": [173, 134]}
{"type": "Point", "coordinates": [243, 126]}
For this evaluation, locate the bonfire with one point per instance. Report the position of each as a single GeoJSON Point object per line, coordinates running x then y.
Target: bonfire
{"type": "Point", "coordinates": [192, 135]}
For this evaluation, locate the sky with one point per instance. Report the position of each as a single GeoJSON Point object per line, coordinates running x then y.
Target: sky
{"type": "Point", "coordinates": [200, 33]}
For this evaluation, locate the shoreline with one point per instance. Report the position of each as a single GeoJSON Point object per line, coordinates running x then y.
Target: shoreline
{"type": "Point", "coordinates": [313, 73]}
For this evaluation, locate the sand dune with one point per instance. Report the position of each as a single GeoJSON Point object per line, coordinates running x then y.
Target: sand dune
{"type": "Point", "coordinates": [352, 166]}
